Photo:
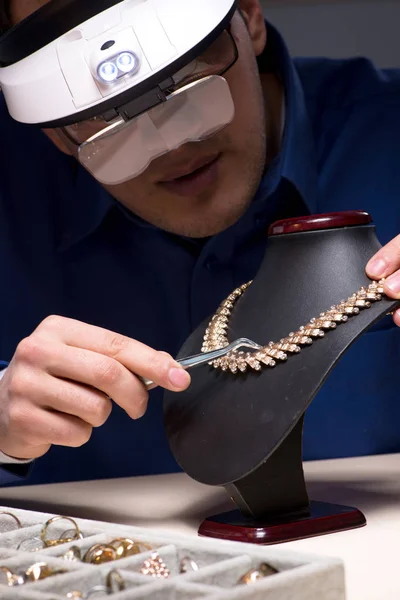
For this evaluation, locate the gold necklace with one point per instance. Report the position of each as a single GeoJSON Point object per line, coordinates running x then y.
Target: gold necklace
{"type": "Point", "coordinates": [216, 336]}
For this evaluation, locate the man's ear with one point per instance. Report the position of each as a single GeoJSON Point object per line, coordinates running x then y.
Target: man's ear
{"type": "Point", "coordinates": [57, 140]}
{"type": "Point", "coordinates": [253, 16]}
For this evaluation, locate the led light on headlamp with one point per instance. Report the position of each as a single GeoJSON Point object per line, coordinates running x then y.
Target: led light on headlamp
{"type": "Point", "coordinates": [112, 69]}
{"type": "Point", "coordinates": [127, 62]}
{"type": "Point", "coordinates": [107, 72]}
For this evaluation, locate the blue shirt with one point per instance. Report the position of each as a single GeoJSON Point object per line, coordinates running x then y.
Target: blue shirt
{"type": "Point", "coordinates": [68, 248]}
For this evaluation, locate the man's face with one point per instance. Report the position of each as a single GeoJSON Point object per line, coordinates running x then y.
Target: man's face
{"type": "Point", "coordinates": [214, 198]}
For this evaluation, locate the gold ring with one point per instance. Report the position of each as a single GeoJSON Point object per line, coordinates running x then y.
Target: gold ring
{"type": "Point", "coordinates": [41, 570]}
{"type": "Point", "coordinates": [115, 582]}
{"type": "Point", "coordinates": [155, 567]}
{"type": "Point", "coordinates": [18, 522]}
{"type": "Point", "coordinates": [12, 578]}
{"type": "Point", "coordinates": [73, 554]}
{"type": "Point", "coordinates": [56, 542]}
{"type": "Point", "coordinates": [30, 545]}
{"type": "Point", "coordinates": [75, 594]}
{"type": "Point", "coordinates": [262, 571]}
{"type": "Point", "coordinates": [125, 547]}
{"type": "Point", "coordinates": [68, 533]}
{"type": "Point", "coordinates": [99, 554]}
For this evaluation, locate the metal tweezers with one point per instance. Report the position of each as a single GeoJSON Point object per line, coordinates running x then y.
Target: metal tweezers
{"type": "Point", "coordinates": [206, 357]}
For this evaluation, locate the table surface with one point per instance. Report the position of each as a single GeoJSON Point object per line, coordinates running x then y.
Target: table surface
{"type": "Point", "coordinates": [177, 503]}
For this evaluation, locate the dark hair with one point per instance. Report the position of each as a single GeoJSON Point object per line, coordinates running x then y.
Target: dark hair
{"type": "Point", "coordinates": [5, 18]}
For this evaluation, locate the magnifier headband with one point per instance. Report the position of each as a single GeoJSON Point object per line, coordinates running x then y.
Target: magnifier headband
{"type": "Point", "coordinates": [215, 60]}
{"type": "Point", "coordinates": [75, 60]}
{"type": "Point", "coordinates": [198, 105]}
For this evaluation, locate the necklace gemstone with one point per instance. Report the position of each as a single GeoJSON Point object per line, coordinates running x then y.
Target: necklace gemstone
{"type": "Point", "coordinates": [216, 335]}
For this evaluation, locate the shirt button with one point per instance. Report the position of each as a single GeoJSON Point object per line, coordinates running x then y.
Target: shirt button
{"type": "Point", "coordinates": [211, 263]}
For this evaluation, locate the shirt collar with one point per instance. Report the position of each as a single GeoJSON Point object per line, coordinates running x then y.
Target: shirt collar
{"type": "Point", "coordinates": [87, 203]}
{"type": "Point", "coordinates": [297, 160]}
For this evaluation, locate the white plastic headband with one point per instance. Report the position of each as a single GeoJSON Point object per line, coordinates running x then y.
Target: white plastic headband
{"type": "Point", "coordinates": [60, 81]}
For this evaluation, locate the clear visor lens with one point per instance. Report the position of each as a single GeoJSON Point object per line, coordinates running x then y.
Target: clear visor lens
{"type": "Point", "coordinates": [198, 105]}
{"type": "Point", "coordinates": [127, 149]}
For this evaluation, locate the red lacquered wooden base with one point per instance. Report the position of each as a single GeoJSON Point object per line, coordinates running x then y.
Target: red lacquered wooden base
{"type": "Point", "coordinates": [321, 519]}
{"type": "Point", "coordinates": [319, 222]}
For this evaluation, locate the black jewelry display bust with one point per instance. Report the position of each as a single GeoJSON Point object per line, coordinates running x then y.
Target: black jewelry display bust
{"type": "Point", "coordinates": [244, 431]}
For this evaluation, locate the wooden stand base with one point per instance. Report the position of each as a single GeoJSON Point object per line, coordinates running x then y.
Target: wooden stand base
{"type": "Point", "coordinates": [319, 519]}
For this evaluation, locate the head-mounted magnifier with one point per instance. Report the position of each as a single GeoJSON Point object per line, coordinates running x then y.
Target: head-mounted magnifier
{"type": "Point", "coordinates": [125, 82]}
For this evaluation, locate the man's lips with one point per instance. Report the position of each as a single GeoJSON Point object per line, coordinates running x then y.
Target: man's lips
{"type": "Point", "coordinates": [195, 178]}
{"type": "Point", "coordinates": [188, 168]}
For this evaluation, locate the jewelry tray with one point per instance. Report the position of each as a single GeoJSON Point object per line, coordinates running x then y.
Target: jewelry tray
{"type": "Point", "coordinates": [221, 564]}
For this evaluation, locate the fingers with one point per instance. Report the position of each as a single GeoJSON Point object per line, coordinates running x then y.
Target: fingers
{"type": "Point", "coordinates": [392, 286]}
{"type": "Point", "coordinates": [133, 355]}
{"type": "Point", "coordinates": [41, 428]}
{"type": "Point", "coordinates": [43, 410]}
{"type": "Point", "coordinates": [68, 397]}
{"type": "Point", "coordinates": [99, 372]}
{"type": "Point", "coordinates": [61, 378]}
{"type": "Point", "coordinates": [386, 264]}
{"type": "Point", "coordinates": [396, 317]}
{"type": "Point", "coordinates": [386, 261]}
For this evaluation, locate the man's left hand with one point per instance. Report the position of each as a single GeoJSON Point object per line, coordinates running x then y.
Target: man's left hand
{"type": "Point", "coordinates": [386, 264]}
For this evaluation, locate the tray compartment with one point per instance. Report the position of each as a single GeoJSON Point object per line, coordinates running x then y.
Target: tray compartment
{"type": "Point", "coordinates": [220, 564]}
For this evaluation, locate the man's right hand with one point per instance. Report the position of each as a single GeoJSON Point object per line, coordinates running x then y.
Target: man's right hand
{"type": "Point", "coordinates": [61, 379]}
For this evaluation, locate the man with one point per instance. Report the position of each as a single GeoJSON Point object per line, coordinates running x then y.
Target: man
{"type": "Point", "coordinates": [131, 269]}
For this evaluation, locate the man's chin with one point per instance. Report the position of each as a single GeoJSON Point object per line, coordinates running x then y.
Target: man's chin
{"type": "Point", "coordinates": [198, 228]}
